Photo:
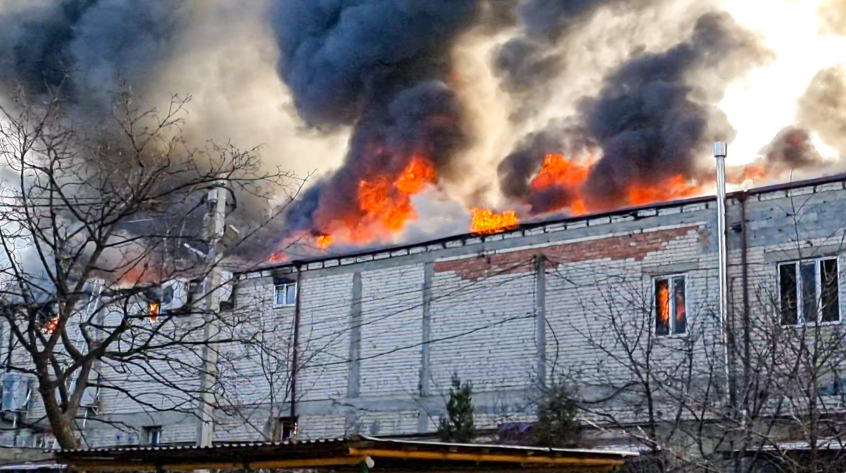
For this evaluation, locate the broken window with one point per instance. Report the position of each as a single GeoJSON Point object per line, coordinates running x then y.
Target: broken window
{"type": "Point", "coordinates": [809, 291]}
{"type": "Point", "coordinates": [670, 305]}
{"type": "Point", "coordinates": [285, 294]}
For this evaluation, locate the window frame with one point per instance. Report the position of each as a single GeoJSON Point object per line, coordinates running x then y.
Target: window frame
{"type": "Point", "coordinates": [288, 425]}
{"type": "Point", "coordinates": [284, 286]}
{"type": "Point", "coordinates": [800, 316]}
{"type": "Point", "coordinates": [671, 288]}
{"type": "Point", "coordinates": [151, 431]}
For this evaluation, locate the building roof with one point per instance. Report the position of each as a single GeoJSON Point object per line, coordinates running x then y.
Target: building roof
{"type": "Point", "coordinates": [340, 453]}
{"type": "Point", "coordinates": [543, 226]}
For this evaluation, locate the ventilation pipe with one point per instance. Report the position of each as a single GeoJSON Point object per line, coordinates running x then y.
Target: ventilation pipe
{"type": "Point", "coordinates": [720, 152]}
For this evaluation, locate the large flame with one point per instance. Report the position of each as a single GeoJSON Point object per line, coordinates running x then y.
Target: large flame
{"type": "Point", "coordinates": [384, 208]}
{"type": "Point", "coordinates": [486, 221]}
{"type": "Point", "coordinates": [386, 203]}
{"type": "Point", "coordinates": [558, 171]}
{"type": "Point", "coordinates": [663, 309]}
{"type": "Point", "coordinates": [674, 188]}
{"type": "Point", "coordinates": [323, 241]}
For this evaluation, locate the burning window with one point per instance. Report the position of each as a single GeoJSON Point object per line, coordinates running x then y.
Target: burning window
{"type": "Point", "coordinates": [285, 294]}
{"type": "Point", "coordinates": [49, 326]}
{"type": "Point", "coordinates": [153, 309]}
{"type": "Point", "coordinates": [670, 305]}
{"type": "Point", "coordinates": [809, 291]}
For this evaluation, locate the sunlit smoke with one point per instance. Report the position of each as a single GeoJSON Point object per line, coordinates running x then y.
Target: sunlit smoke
{"type": "Point", "coordinates": [532, 108]}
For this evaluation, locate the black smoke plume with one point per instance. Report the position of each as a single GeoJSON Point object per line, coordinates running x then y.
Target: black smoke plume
{"type": "Point", "coordinates": [81, 50]}
{"type": "Point", "coordinates": [791, 149]}
{"type": "Point", "coordinates": [565, 138]}
{"type": "Point", "coordinates": [651, 118]}
{"type": "Point", "coordinates": [382, 67]}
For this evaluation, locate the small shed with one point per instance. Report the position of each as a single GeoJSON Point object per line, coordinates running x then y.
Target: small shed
{"type": "Point", "coordinates": [358, 453]}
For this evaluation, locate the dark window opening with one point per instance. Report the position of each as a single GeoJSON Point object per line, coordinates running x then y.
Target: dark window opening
{"type": "Point", "coordinates": [788, 297]}
{"type": "Point", "coordinates": [809, 291]}
{"type": "Point", "coordinates": [287, 427]}
{"type": "Point", "coordinates": [153, 435]}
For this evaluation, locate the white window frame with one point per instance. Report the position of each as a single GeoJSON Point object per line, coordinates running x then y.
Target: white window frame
{"type": "Point", "coordinates": [284, 287]}
{"type": "Point", "coordinates": [671, 288]}
{"type": "Point", "coordinates": [800, 316]}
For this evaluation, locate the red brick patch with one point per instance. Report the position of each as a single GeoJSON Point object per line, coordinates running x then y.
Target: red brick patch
{"type": "Point", "coordinates": [634, 246]}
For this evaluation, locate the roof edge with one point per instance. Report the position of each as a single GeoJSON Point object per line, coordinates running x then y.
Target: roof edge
{"type": "Point", "coordinates": [841, 177]}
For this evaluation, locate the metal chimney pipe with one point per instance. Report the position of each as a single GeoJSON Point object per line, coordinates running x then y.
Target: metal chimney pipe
{"type": "Point", "coordinates": [720, 153]}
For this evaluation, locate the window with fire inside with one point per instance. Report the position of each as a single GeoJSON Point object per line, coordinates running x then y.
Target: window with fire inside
{"type": "Point", "coordinates": [809, 291]}
{"type": "Point", "coordinates": [670, 305]}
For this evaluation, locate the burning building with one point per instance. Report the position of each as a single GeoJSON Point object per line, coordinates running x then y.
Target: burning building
{"type": "Point", "coordinates": [582, 179]}
{"type": "Point", "coordinates": [379, 334]}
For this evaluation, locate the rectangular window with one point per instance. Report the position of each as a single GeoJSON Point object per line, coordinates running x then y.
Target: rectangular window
{"type": "Point", "coordinates": [286, 294]}
{"type": "Point", "coordinates": [809, 291]}
{"type": "Point", "coordinates": [287, 427]}
{"type": "Point", "coordinates": [153, 435]}
{"type": "Point", "coordinates": [670, 305]}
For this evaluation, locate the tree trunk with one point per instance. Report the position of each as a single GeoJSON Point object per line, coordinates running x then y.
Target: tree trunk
{"type": "Point", "coordinates": [62, 428]}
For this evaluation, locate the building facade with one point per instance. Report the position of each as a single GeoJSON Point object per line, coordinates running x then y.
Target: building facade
{"type": "Point", "coordinates": [368, 343]}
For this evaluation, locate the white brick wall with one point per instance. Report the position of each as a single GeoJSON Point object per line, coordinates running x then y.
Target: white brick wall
{"type": "Point", "coordinates": [484, 326]}
{"type": "Point", "coordinates": [392, 315]}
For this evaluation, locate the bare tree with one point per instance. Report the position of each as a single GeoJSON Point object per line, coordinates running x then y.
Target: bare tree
{"type": "Point", "coordinates": [120, 202]}
{"type": "Point", "coordinates": [664, 387]}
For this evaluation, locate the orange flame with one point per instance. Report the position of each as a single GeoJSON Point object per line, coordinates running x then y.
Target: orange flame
{"type": "Point", "coordinates": [416, 176]}
{"type": "Point", "coordinates": [664, 303]}
{"type": "Point", "coordinates": [558, 171]}
{"type": "Point", "coordinates": [485, 221]}
{"type": "Point", "coordinates": [674, 188]}
{"type": "Point", "coordinates": [389, 203]}
{"type": "Point", "coordinates": [50, 326]}
{"type": "Point", "coordinates": [279, 257]}
{"type": "Point", "coordinates": [323, 241]}
{"type": "Point", "coordinates": [153, 309]}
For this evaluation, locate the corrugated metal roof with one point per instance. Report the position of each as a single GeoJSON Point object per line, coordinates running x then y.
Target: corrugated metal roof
{"type": "Point", "coordinates": [389, 455]}
{"type": "Point", "coordinates": [158, 448]}
{"type": "Point", "coordinates": [516, 448]}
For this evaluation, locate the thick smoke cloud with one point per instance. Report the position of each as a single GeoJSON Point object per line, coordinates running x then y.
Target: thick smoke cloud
{"type": "Point", "coordinates": [340, 58]}
{"type": "Point", "coordinates": [82, 49]}
{"type": "Point", "coordinates": [420, 120]}
{"type": "Point", "coordinates": [549, 20]}
{"type": "Point", "coordinates": [565, 138]}
{"type": "Point", "coordinates": [647, 117]}
{"type": "Point", "coordinates": [791, 149]}
{"type": "Point", "coordinates": [822, 108]}
{"type": "Point", "coordinates": [653, 117]}
{"type": "Point", "coordinates": [382, 66]}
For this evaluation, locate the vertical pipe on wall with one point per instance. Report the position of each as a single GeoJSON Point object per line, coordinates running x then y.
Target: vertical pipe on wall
{"type": "Point", "coordinates": [720, 152]}
{"type": "Point", "coordinates": [295, 348]}
{"type": "Point", "coordinates": [744, 264]}
{"type": "Point", "coordinates": [540, 317]}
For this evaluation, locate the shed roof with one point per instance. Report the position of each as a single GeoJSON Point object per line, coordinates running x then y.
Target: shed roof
{"type": "Point", "coordinates": [340, 453]}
